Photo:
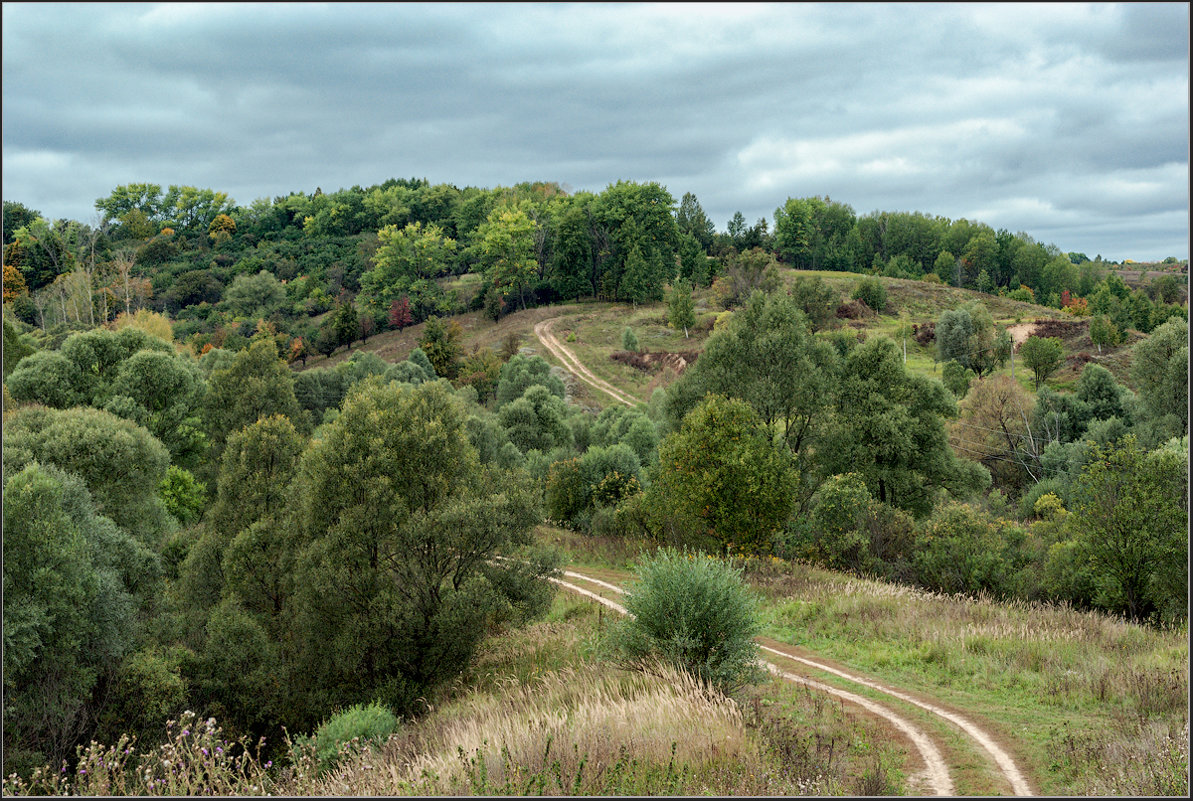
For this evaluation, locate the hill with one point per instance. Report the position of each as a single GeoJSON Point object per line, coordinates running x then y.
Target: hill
{"type": "Point", "coordinates": [593, 332]}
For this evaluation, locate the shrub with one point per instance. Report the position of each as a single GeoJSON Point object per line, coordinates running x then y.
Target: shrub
{"type": "Point", "coordinates": [956, 378]}
{"type": "Point", "coordinates": [629, 339]}
{"type": "Point", "coordinates": [691, 612]}
{"type": "Point", "coordinates": [359, 725]}
{"type": "Point", "coordinates": [838, 513]}
{"type": "Point", "coordinates": [872, 292]}
{"type": "Point", "coordinates": [960, 550]}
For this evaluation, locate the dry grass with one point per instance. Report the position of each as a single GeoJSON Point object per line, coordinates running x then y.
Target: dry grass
{"type": "Point", "coordinates": [571, 732]}
{"type": "Point", "coordinates": [1088, 702]}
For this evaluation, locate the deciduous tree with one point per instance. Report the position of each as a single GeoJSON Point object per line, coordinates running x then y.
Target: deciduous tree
{"type": "Point", "coordinates": [1042, 355]}
{"type": "Point", "coordinates": [722, 482]}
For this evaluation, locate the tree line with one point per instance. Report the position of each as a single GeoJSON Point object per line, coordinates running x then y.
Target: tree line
{"type": "Point", "coordinates": [395, 253]}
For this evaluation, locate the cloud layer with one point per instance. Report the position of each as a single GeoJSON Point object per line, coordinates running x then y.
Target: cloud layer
{"type": "Point", "coordinates": [1069, 122]}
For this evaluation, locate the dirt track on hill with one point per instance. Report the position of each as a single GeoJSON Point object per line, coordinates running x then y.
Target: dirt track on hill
{"type": "Point", "coordinates": [543, 332]}
{"type": "Point", "coordinates": [934, 776]}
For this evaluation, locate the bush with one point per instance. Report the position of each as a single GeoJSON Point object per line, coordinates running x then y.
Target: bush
{"type": "Point", "coordinates": [839, 511]}
{"type": "Point", "coordinates": [629, 340]}
{"type": "Point", "coordinates": [359, 725]}
{"type": "Point", "coordinates": [692, 612]}
{"type": "Point", "coordinates": [872, 292]}
{"type": "Point", "coordinates": [960, 550]}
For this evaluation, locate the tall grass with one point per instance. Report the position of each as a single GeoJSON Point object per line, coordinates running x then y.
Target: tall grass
{"type": "Point", "coordinates": [1090, 700]}
{"type": "Point", "coordinates": [573, 732]}
{"type": "Point", "coordinates": [1086, 701]}
{"type": "Point", "coordinates": [537, 715]}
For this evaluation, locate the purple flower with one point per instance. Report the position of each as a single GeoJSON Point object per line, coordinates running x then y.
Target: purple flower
{"type": "Point", "coordinates": [185, 732]}
{"type": "Point", "coordinates": [204, 750]}
{"type": "Point", "coordinates": [218, 750]}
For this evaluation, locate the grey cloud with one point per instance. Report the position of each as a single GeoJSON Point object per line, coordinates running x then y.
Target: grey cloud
{"type": "Point", "coordinates": [263, 100]}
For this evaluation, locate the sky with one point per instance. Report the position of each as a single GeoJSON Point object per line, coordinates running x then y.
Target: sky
{"type": "Point", "coordinates": [1068, 122]}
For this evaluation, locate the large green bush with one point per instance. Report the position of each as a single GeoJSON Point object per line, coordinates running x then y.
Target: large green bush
{"type": "Point", "coordinates": [691, 611]}
{"type": "Point", "coordinates": [366, 724]}
{"type": "Point", "coordinates": [872, 292]}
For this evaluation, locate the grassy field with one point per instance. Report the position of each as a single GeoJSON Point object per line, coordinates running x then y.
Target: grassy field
{"type": "Point", "coordinates": [1089, 704]}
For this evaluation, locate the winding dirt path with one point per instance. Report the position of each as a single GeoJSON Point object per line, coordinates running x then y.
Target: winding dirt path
{"type": "Point", "coordinates": [934, 776]}
{"type": "Point", "coordinates": [542, 330]}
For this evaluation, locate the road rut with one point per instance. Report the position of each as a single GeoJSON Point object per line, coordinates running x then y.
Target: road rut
{"type": "Point", "coordinates": [935, 776]}
{"type": "Point", "coordinates": [543, 332]}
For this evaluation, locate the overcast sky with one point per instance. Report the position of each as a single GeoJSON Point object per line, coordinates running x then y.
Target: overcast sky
{"type": "Point", "coordinates": [1069, 122]}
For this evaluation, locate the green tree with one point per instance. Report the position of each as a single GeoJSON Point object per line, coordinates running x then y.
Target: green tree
{"type": "Point", "coordinates": [956, 378]}
{"type": "Point", "coordinates": [641, 283]}
{"type": "Point", "coordinates": [872, 292]}
{"type": "Point", "coordinates": [536, 420]}
{"type": "Point", "coordinates": [691, 220]}
{"type": "Point", "coordinates": [960, 549]}
{"type": "Point", "coordinates": [397, 579]}
{"type": "Point", "coordinates": [184, 496]}
{"type": "Point", "coordinates": [345, 322]}
{"type": "Point", "coordinates": [945, 265]}
{"type": "Point", "coordinates": [404, 255]}
{"type": "Point", "coordinates": [1042, 355]}
{"type": "Point", "coordinates": [1131, 516]}
{"type": "Point", "coordinates": [574, 258]}
{"type": "Point", "coordinates": [694, 614]}
{"type": "Point", "coordinates": [1160, 370]}
{"type": "Point", "coordinates": [1102, 396]}
{"type": "Point", "coordinates": [968, 336]}
{"type": "Point", "coordinates": [121, 464]}
{"type": "Point", "coordinates": [506, 248]}
{"type": "Point", "coordinates": [629, 340]}
{"type": "Point", "coordinates": [721, 481]}
{"type": "Point", "coordinates": [693, 263]}
{"type": "Point", "coordinates": [681, 310]}
{"type": "Point", "coordinates": [256, 384]}
{"type": "Point", "coordinates": [45, 377]}
{"type": "Point", "coordinates": [888, 427]}
{"type": "Point", "coordinates": [817, 300]}
{"type": "Point", "coordinates": [15, 349]}
{"type": "Point", "coordinates": [56, 648]}
{"type": "Point", "coordinates": [255, 296]}
{"type": "Point", "coordinates": [521, 372]}
{"type": "Point", "coordinates": [166, 390]}
{"type": "Point", "coordinates": [767, 358]}
{"type": "Point", "coordinates": [250, 515]}
{"type": "Point", "coordinates": [839, 510]}
{"type": "Point", "coordinates": [442, 346]}
{"type": "Point", "coordinates": [794, 232]}
{"type": "Point", "coordinates": [75, 585]}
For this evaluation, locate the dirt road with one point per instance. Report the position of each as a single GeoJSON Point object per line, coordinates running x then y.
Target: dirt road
{"type": "Point", "coordinates": [1019, 333]}
{"type": "Point", "coordinates": [934, 776]}
{"type": "Point", "coordinates": [543, 332]}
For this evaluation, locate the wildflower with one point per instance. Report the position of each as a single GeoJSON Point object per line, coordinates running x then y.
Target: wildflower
{"type": "Point", "coordinates": [185, 732]}
{"type": "Point", "coordinates": [219, 750]}
{"type": "Point", "coordinates": [204, 750]}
